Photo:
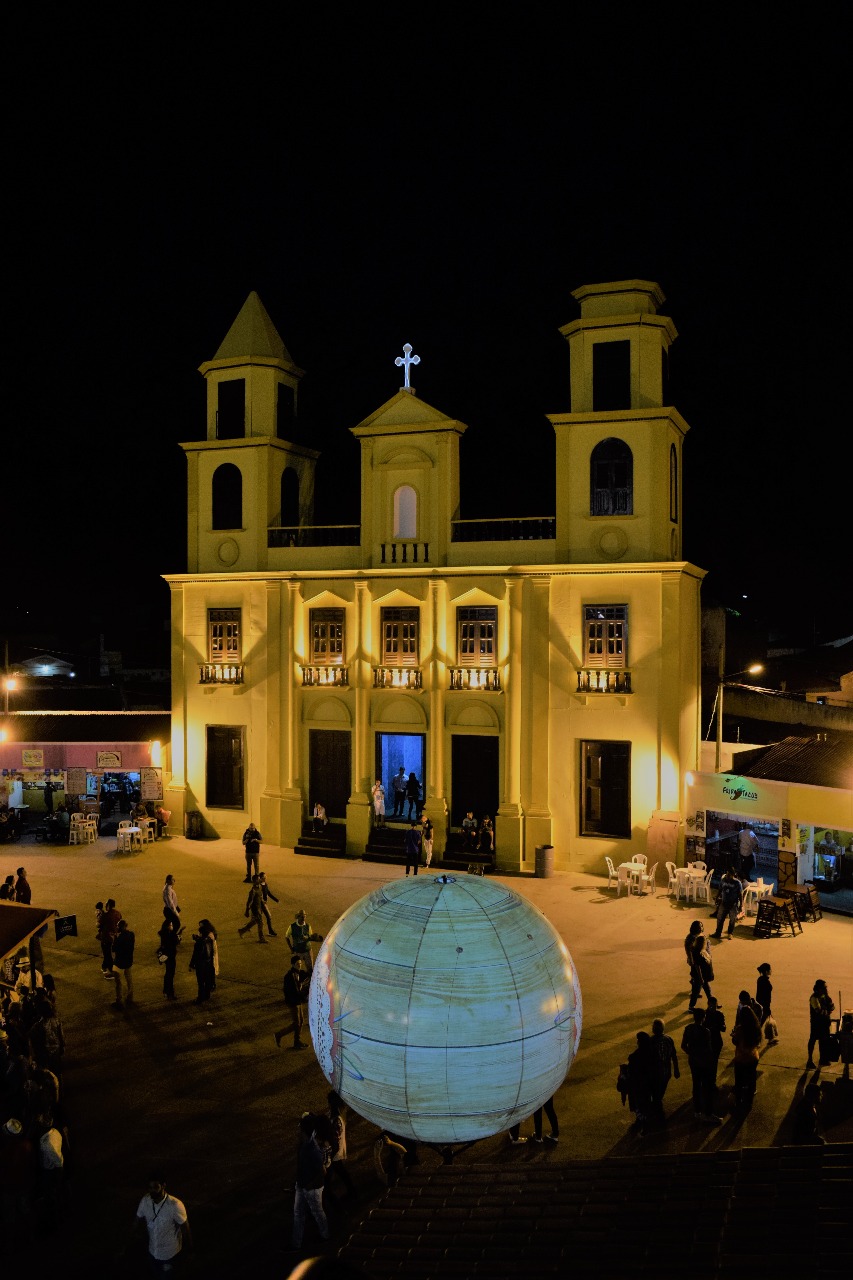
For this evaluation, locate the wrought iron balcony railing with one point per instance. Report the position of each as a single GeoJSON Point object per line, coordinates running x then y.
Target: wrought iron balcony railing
{"type": "Point", "coordinates": [220, 673]}
{"type": "Point", "coordinates": [397, 678]}
{"type": "Point", "coordinates": [338, 676]}
{"type": "Point", "coordinates": [487, 678]}
{"type": "Point", "coordinates": [599, 680]}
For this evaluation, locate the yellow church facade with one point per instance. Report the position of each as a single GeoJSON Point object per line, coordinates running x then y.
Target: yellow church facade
{"type": "Point", "coordinates": [545, 672]}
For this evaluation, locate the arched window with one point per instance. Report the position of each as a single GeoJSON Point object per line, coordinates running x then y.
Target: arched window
{"type": "Point", "coordinates": [405, 512]}
{"type": "Point", "coordinates": [227, 495]}
{"type": "Point", "coordinates": [289, 498]}
{"type": "Point", "coordinates": [611, 479]}
{"type": "Point", "coordinates": [673, 484]}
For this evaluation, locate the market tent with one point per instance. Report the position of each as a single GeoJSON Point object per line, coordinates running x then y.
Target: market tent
{"type": "Point", "coordinates": [18, 923]}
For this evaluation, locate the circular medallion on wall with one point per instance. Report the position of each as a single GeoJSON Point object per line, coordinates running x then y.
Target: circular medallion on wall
{"type": "Point", "coordinates": [673, 544]}
{"type": "Point", "coordinates": [612, 542]}
{"type": "Point", "coordinates": [228, 552]}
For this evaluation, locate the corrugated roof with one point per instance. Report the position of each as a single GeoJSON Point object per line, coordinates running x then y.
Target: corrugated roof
{"type": "Point", "coordinates": [820, 761]}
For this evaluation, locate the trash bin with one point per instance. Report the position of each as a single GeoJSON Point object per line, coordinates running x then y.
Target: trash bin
{"type": "Point", "coordinates": [192, 825]}
{"type": "Point", "coordinates": [544, 861]}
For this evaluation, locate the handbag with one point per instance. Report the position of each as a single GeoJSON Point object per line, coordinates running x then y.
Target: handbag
{"type": "Point", "coordinates": [771, 1029]}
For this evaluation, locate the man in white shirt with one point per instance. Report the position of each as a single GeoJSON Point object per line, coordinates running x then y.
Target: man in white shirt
{"type": "Point", "coordinates": [165, 1219]}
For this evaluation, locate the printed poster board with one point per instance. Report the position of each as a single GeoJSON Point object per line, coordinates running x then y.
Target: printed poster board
{"type": "Point", "coordinates": [109, 760]}
{"type": "Point", "coordinates": [32, 758]}
{"type": "Point", "coordinates": [75, 782]}
{"type": "Point", "coordinates": [151, 783]}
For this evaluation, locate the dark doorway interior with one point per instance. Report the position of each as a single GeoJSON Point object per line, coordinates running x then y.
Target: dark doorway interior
{"type": "Point", "coordinates": [329, 770]}
{"type": "Point", "coordinates": [475, 782]}
{"type": "Point", "coordinates": [394, 750]}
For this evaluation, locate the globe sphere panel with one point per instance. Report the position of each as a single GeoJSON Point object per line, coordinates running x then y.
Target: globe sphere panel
{"type": "Point", "coordinates": [444, 1008]}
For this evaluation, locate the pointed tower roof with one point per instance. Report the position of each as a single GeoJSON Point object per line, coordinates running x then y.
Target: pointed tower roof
{"type": "Point", "coordinates": [253, 334]}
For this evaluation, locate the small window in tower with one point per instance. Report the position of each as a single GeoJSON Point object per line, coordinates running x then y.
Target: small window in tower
{"type": "Point", "coordinates": [605, 635]}
{"type": "Point", "coordinates": [224, 641]}
{"type": "Point", "coordinates": [476, 629]}
{"type": "Point", "coordinates": [405, 512]}
{"type": "Point", "coordinates": [664, 376]}
{"type": "Point", "coordinates": [611, 479]}
{"type": "Point", "coordinates": [673, 484]}
{"type": "Point", "coordinates": [400, 629]}
{"type": "Point", "coordinates": [327, 637]}
{"type": "Point", "coordinates": [227, 497]}
{"type": "Point", "coordinates": [289, 499]}
{"type": "Point", "coordinates": [284, 411]}
{"type": "Point", "coordinates": [231, 411]}
{"type": "Point", "coordinates": [611, 375]}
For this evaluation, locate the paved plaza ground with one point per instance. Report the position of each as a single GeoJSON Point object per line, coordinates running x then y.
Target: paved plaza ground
{"type": "Point", "coordinates": [204, 1093]}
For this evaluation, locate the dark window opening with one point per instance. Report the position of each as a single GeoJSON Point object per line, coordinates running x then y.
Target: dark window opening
{"type": "Point", "coordinates": [611, 479]}
{"type": "Point", "coordinates": [611, 375]}
{"type": "Point", "coordinates": [289, 499]}
{"type": "Point", "coordinates": [224, 781]}
{"type": "Point", "coordinates": [673, 484]}
{"type": "Point", "coordinates": [231, 411]}
{"type": "Point", "coordinates": [227, 497]}
{"type": "Point", "coordinates": [285, 411]}
{"type": "Point", "coordinates": [606, 789]}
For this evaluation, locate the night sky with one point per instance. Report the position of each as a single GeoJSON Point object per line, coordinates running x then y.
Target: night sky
{"type": "Point", "coordinates": [399, 177]}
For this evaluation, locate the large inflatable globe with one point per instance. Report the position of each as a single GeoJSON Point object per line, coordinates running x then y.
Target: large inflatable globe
{"type": "Point", "coordinates": [444, 1008]}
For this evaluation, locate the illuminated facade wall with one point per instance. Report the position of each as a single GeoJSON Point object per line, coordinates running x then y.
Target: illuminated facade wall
{"type": "Point", "coordinates": [493, 618]}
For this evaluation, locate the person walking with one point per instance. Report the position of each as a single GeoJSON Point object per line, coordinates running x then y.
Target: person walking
{"type": "Point", "coordinates": [398, 788]}
{"type": "Point", "coordinates": [170, 901]}
{"type": "Point", "coordinates": [550, 1111]}
{"type": "Point", "coordinates": [125, 941]}
{"type": "Point", "coordinates": [202, 962]}
{"type": "Point", "coordinates": [23, 892]}
{"type": "Point", "coordinates": [164, 1219]}
{"type": "Point", "coordinates": [206, 927]}
{"type": "Point", "coordinates": [254, 910]}
{"type": "Point", "coordinates": [413, 847]}
{"type": "Point", "coordinates": [715, 1021]}
{"type": "Point", "coordinates": [266, 892]}
{"type": "Point", "coordinates": [167, 952]}
{"type": "Point", "coordinates": [729, 902]}
{"type": "Point", "coordinates": [107, 930]}
{"type": "Point", "coordinates": [310, 1177]}
{"type": "Point", "coordinates": [696, 1043]}
{"type": "Point", "coordinates": [378, 794]}
{"type": "Point", "coordinates": [413, 797]}
{"type": "Point", "coordinates": [426, 839]}
{"type": "Point", "coordinates": [698, 951]}
{"type": "Point", "coordinates": [252, 847]}
{"type": "Point", "coordinates": [764, 992]}
{"type": "Point", "coordinates": [299, 937]}
{"type": "Point", "coordinates": [820, 1014]}
{"type": "Point", "coordinates": [295, 991]}
{"type": "Point", "coordinates": [641, 1081]}
{"type": "Point", "coordinates": [664, 1066]}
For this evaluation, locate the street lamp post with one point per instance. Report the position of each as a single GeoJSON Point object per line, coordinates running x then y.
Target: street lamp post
{"type": "Point", "coordinates": [722, 681]}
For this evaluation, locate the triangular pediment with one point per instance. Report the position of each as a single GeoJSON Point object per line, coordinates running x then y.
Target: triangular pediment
{"type": "Point", "coordinates": [253, 334]}
{"type": "Point", "coordinates": [405, 412]}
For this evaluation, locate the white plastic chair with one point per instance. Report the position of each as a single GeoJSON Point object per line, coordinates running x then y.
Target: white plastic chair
{"type": "Point", "coordinates": [648, 881]}
{"type": "Point", "coordinates": [672, 872]}
{"type": "Point", "coordinates": [641, 857]}
{"type": "Point", "coordinates": [124, 839]}
{"type": "Point", "coordinates": [624, 880]}
{"type": "Point", "coordinates": [146, 830]}
{"type": "Point", "coordinates": [702, 889]}
{"type": "Point", "coordinates": [612, 877]}
{"type": "Point", "coordinates": [699, 866]}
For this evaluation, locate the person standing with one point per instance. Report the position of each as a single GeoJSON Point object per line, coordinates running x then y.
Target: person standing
{"type": "Point", "coordinates": [696, 1043]}
{"type": "Point", "coordinates": [266, 892]}
{"type": "Point", "coordinates": [170, 901]}
{"type": "Point", "coordinates": [398, 787]}
{"type": "Point", "coordinates": [165, 1219]}
{"type": "Point", "coordinates": [201, 962]}
{"type": "Point", "coordinates": [764, 992]}
{"type": "Point", "coordinates": [123, 946]}
{"type": "Point", "coordinates": [715, 1021]}
{"type": "Point", "coordinates": [295, 991]}
{"type": "Point", "coordinates": [413, 797]}
{"type": "Point", "coordinates": [23, 892]}
{"type": "Point", "coordinates": [168, 950]}
{"type": "Point", "coordinates": [640, 1080]}
{"type": "Point", "coordinates": [698, 951]}
{"type": "Point", "coordinates": [254, 910]}
{"type": "Point", "coordinates": [107, 930]}
{"type": "Point", "coordinates": [299, 937]}
{"type": "Point", "coordinates": [729, 902]}
{"type": "Point", "coordinates": [426, 839]}
{"type": "Point", "coordinates": [7, 890]}
{"type": "Point", "coordinates": [310, 1177]}
{"type": "Point", "coordinates": [413, 847]}
{"type": "Point", "coordinates": [378, 794]}
{"type": "Point", "coordinates": [664, 1065]}
{"type": "Point", "coordinates": [49, 789]}
{"type": "Point", "coordinates": [747, 843]}
{"type": "Point", "coordinates": [252, 847]}
{"type": "Point", "coordinates": [746, 1037]}
{"type": "Point", "coordinates": [820, 1015]}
